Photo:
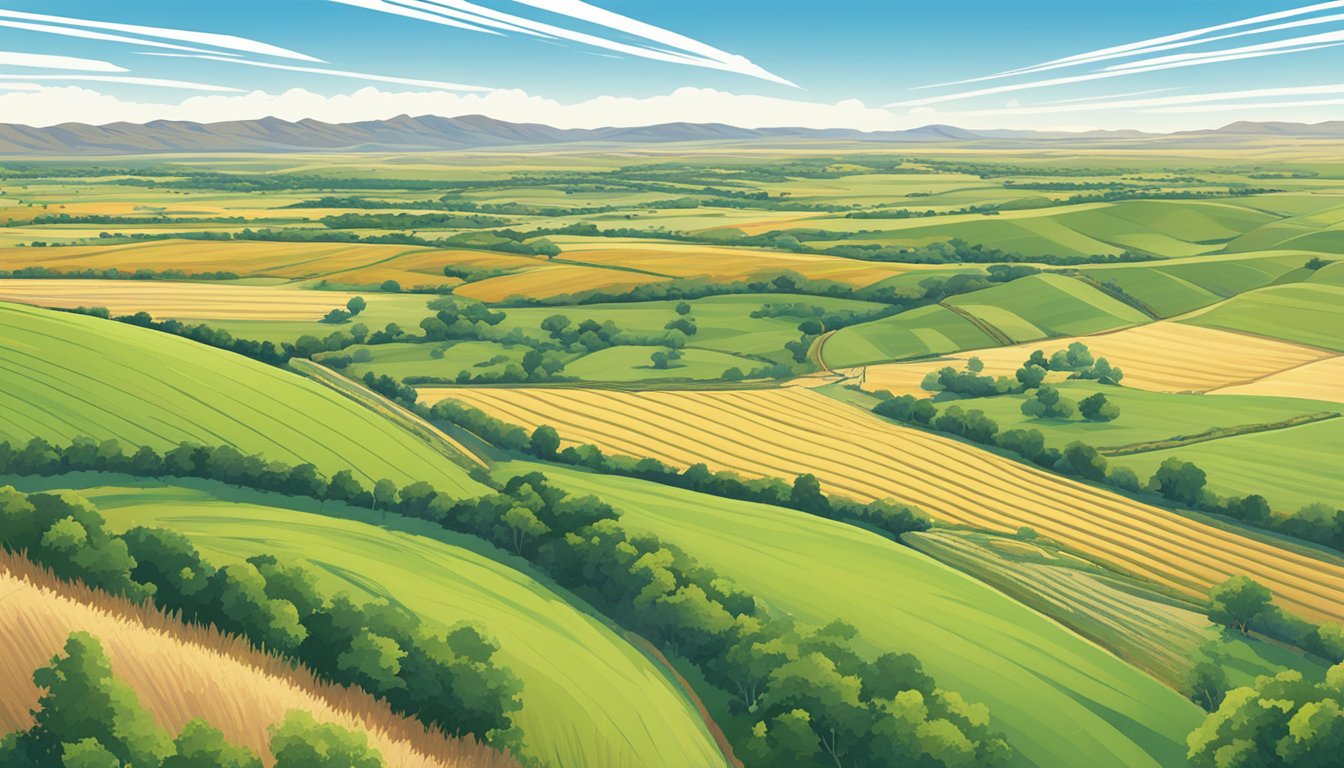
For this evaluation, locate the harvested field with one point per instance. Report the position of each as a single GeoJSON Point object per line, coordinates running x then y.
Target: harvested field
{"type": "Point", "coordinates": [1321, 380]}
{"type": "Point", "coordinates": [1163, 357]}
{"type": "Point", "coordinates": [722, 263]}
{"type": "Point", "coordinates": [184, 300]}
{"type": "Point", "coordinates": [784, 432]}
{"type": "Point", "coordinates": [182, 672]}
{"type": "Point", "coordinates": [555, 280]}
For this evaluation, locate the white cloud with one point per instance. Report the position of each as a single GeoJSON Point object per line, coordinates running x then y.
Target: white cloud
{"type": "Point", "coordinates": [51, 105]}
{"type": "Point", "coordinates": [226, 42]}
{"type": "Point", "coordinates": [666, 45]}
{"type": "Point", "coordinates": [154, 82]}
{"type": "Point", "coordinates": [45, 61]}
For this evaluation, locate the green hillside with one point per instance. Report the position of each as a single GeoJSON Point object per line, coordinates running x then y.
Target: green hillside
{"type": "Point", "coordinates": [1055, 695]}
{"type": "Point", "coordinates": [67, 375]}
{"type": "Point", "coordinates": [1047, 305]}
{"type": "Point", "coordinates": [589, 697]}
{"type": "Point", "coordinates": [931, 330]}
{"type": "Point", "coordinates": [1306, 313]}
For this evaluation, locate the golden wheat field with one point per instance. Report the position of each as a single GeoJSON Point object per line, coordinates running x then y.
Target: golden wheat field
{"type": "Point", "coordinates": [1162, 357]}
{"type": "Point", "coordinates": [183, 300]}
{"type": "Point", "coordinates": [181, 672]}
{"type": "Point", "coordinates": [722, 263]}
{"type": "Point", "coordinates": [554, 280]}
{"type": "Point", "coordinates": [784, 432]}
{"type": "Point", "coordinates": [353, 263]}
{"type": "Point", "coordinates": [1319, 380]}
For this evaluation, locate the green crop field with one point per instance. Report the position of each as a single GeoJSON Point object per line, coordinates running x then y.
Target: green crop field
{"type": "Point", "coordinates": [588, 696]}
{"type": "Point", "coordinates": [1054, 694]}
{"type": "Point", "coordinates": [931, 330]}
{"type": "Point", "coordinates": [1306, 313]}
{"type": "Point", "coordinates": [1041, 306]}
{"type": "Point", "coordinates": [68, 375]}
{"type": "Point", "coordinates": [633, 363]}
{"type": "Point", "coordinates": [1290, 467]}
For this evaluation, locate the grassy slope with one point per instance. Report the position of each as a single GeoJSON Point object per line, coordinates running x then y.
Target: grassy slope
{"type": "Point", "coordinates": [589, 697]}
{"type": "Point", "coordinates": [923, 331]}
{"type": "Point", "coordinates": [1059, 698]}
{"type": "Point", "coordinates": [69, 375]}
{"type": "Point", "coordinates": [1306, 313]}
{"type": "Point", "coordinates": [1289, 467]}
{"type": "Point", "coordinates": [409, 359]}
{"type": "Point", "coordinates": [1048, 305]}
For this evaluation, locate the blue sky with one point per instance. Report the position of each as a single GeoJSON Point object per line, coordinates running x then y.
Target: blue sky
{"type": "Point", "coordinates": [870, 64]}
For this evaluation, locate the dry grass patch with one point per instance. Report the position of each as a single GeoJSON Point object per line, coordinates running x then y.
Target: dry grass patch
{"type": "Point", "coordinates": [784, 432]}
{"type": "Point", "coordinates": [181, 672]}
{"type": "Point", "coordinates": [1162, 357]}
{"type": "Point", "coordinates": [1320, 380]}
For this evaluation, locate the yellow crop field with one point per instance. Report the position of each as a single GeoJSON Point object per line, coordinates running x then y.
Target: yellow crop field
{"type": "Point", "coordinates": [181, 672]}
{"type": "Point", "coordinates": [722, 263]}
{"type": "Point", "coordinates": [183, 300]}
{"type": "Point", "coordinates": [1162, 356]}
{"type": "Point", "coordinates": [554, 280]}
{"type": "Point", "coordinates": [1320, 380]}
{"type": "Point", "coordinates": [784, 432]}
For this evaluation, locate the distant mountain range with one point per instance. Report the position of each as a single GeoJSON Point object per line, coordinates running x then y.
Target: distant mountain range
{"type": "Point", "coordinates": [429, 133]}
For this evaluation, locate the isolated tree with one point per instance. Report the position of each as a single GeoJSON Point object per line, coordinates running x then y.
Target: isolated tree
{"type": "Point", "coordinates": [391, 286]}
{"type": "Point", "coordinates": [545, 442]}
{"type": "Point", "coordinates": [355, 305]}
{"type": "Point", "coordinates": [1030, 376]}
{"type": "Point", "coordinates": [975, 365]}
{"type": "Point", "coordinates": [1179, 481]}
{"type": "Point", "coordinates": [1207, 683]}
{"type": "Point", "coordinates": [1096, 407]}
{"type": "Point", "coordinates": [336, 316]}
{"type": "Point", "coordinates": [683, 308]}
{"type": "Point", "coordinates": [807, 496]}
{"type": "Point", "coordinates": [1240, 603]}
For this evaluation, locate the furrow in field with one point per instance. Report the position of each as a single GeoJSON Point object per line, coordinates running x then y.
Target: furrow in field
{"type": "Point", "coordinates": [785, 432]}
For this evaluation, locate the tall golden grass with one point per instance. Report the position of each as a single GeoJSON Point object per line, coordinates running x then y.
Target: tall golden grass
{"type": "Point", "coordinates": [183, 671]}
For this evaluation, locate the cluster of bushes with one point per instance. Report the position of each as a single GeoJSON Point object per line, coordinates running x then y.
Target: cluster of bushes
{"type": "Point", "coordinates": [773, 671]}
{"type": "Point", "coordinates": [89, 718]}
{"type": "Point", "coordinates": [450, 203]}
{"type": "Point", "coordinates": [451, 682]}
{"type": "Point", "coordinates": [42, 273]}
{"type": "Point", "coordinates": [353, 307]}
{"type": "Point", "coordinates": [816, 320]}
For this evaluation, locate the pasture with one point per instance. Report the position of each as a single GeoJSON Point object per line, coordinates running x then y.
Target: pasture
{"type": "Point", "coordinates": [1053, 693]}
{"type": "Point", "coordinates": [784, 432]}
{"type": "Point", "coordinates": [67, 375]}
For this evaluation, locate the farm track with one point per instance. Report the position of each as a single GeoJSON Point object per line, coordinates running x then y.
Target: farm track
{"type": "Point", "coordinates": [785, 432]}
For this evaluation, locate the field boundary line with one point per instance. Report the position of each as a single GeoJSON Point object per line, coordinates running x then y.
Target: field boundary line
{"type": "Point", "coordinates": [1217, 433]}
{"type": "Point", "coordinates": [989, 329]}
{"type": "Point", "coordinates": [442, 443]}
{"type": "Point", "coordinates": [720, 738]}
{"type": "Point", "coordinates": [1269, 375]}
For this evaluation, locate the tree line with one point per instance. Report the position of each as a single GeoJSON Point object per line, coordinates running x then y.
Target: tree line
{"type": "Point", "coordinates": [451, 682]}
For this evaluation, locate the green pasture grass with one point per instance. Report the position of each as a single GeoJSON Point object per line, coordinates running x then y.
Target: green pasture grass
{"type": "Point", "coordinates": [67, 375]}
{"type": "Point", "coordinates": [1144, 416]}
{"type": "Point", "coordinates": [929, 330]}
{"type": "Point", "coordinates": [724, 323]}
{"type": "Point", "coordinates": [400, 360]}
{"type": "Point", "coordinates": [1290, 467]}
{"type": "Point", "coordinates": [1047, 305]}
{"type": "Point", "coordinates": [1060, 699]}
{"type": "Point", "coordinates": [404, 309]}
{"type": "Point", "coordinates": [1306, 313]}
{"type": "Point", "coordinates": [633, 363]}
{"type": "Point", "coordinates": [589, 697]}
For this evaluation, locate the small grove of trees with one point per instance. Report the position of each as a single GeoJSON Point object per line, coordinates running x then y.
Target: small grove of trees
{"type": "Point", "coordinates": [662, 360]}
{"type": "Point", "coordinates": [1280, 721]}
{"type": "Point", "coordinates": [450, 681]}
{"type": "Point", "coordinates": [88, 718]}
